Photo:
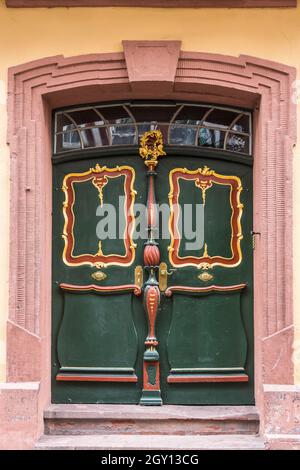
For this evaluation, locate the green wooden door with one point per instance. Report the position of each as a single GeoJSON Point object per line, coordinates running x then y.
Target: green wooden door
{"type": "Point", "coordinates": [98, 325]}
{"type": "Point", "coordinates": [204, 323]}
{"type": "Point", "coordinates": [205, 326]}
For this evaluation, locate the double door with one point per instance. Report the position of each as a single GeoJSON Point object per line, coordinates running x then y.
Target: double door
{"type": "Point", "coordinates": [152, 281]}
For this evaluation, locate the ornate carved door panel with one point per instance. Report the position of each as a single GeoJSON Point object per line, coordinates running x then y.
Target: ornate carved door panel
{"type": "Point", "coordinates": [98, 321]}
{"type": "Point", "coordinates": [205, 324]}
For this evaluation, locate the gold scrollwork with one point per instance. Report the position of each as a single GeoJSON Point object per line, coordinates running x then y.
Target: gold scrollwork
{"type": "Point", "coordinates": [99, 183]}
{"type": "Point", "coordinates": [151, 147]}
{"type": "Point", "coordinates": [204, 186]}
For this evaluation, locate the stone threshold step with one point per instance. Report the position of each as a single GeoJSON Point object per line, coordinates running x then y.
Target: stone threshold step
{"type": "Point", "coordinates": [219, 413]}
{"type": "Point", "coordinates": [132, 419]}
{"type": "Point", "coordinates": [150, 442]}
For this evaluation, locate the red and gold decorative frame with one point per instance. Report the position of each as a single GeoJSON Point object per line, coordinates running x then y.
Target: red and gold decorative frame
{"type": "Point", "coordinates": [204, 178]}
{"type": "Point", "coordinates": [99, 176]}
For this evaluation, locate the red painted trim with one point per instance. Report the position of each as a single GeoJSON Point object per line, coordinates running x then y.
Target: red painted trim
{"type": "Point", "coordinates": [154, 3]}
{"type": "Point", "coordinates": [94, 378]}
{"type": "Point", "coordinates": [101, 289]}
{"type": "Point", "coordinates": [207, 378]}
{"type": "Point", "coordinates": [152, 299]}
{"type": "Point", "coordinates": [169, 291]}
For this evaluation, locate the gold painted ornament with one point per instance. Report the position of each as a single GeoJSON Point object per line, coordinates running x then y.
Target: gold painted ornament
{"type": "Point", "coordinates": [99, 276]}
{"type": "Point", "coordinates": [205, 276]}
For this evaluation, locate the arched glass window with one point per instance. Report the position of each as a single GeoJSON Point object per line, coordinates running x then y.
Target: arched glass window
{"type": "Point", "coordinates": [182, 124]}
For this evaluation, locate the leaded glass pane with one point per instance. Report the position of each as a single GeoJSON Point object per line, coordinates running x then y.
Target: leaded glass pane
{"type": "Point", "coordinates": [122, 135]}
{"type": "Point", "coordinates": [242, 125]}
{"type": "Point", "coordinates": [63, 123]}
{"type": "Point", "coordinates": [182, 135]}
{"type": "Point", "coordinates": [153, 113]}
{"type": "Point", "coordinates": [96, 137]}
{"type": "Point", "coordinates": [68, 141]}
{"type": "Point", "coordinates": [85, 118]}
{"type": "Point", "coordinates": [145, 127]}
{"type": "Point", "coordinates": [238, 143]}
{"type": "Point", "coordinates": [191, 115]}
{"type": "Point", "coordinates": [220, 118]}
{"type": "Point", "coordinates": [211, 138]}
{"type": "Point", "coordinates": [115, 114]}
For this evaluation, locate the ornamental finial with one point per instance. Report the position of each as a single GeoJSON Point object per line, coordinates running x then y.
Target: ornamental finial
{"type": "Point", "coordinates": [151, 147]}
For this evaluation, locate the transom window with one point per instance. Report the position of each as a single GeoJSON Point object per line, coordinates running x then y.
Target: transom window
{"type": "Point", "coordinates": [182, 124]}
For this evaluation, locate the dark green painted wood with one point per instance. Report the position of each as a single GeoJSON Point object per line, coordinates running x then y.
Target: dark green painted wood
{"type": "Point", "coordinates": [214, 331]}
{"type": "Point", "coordinates": [91, 320]}
{"type": "Point", "coordinates": [91, 333]}
{"type": "Point", "coordinates": [171, 150]}
{"type": "Point", "coordinates": [207, 332]}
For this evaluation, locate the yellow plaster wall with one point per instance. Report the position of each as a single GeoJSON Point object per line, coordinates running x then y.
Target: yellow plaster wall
{"type": "Point", "coordinates": [27, 34]}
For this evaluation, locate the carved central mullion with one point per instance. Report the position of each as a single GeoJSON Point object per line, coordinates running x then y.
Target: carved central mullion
{"type": "Point", "coordinates": [151, 148]}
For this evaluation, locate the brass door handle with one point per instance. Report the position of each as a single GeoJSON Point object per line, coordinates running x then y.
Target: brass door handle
{"type": "Point", "coordinates": [163, 274]}
{"type": "Point", "coordinates": [168, 273]}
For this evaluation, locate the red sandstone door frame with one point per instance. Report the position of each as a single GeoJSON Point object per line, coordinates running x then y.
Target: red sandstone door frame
{"type": "Point", "coordinates": [38, 87]}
